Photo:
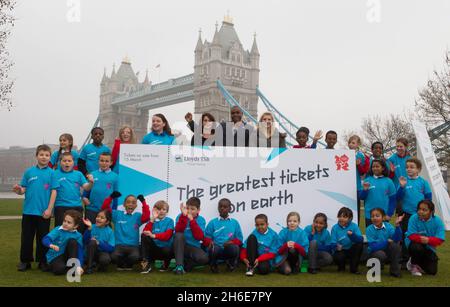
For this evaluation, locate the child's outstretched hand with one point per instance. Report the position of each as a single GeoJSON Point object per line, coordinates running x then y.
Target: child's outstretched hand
{"type": "Point", "coordinates": [391, 167]}
{"type": "Point", "coordinates": [399, 220]}
{"type": "Point", "coordinates": [183, 209]}
{"type": "Point", "coordinates": [313, 230]}
{"type": "Point", "coordinates": [403, 181]}
{"type": "Point", "coordinates": [115, 194]}
{"type": "Point", "coordinates": [366, 185]}
{"type": "Point", "coordinates": [349, 233]}
{"type": "Point", "coordinates": [155, 214]}
{"type": "Point", "coordinates": [88, 223]}
{"type": "Point", "coordinates": [141, 198]}
{"type": "Point", "coordinates": [317, 136]}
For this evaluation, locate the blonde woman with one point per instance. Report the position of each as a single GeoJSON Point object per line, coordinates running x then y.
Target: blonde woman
{"type": "Point", "coordinates": [126, 136]}
{"type": "Point", "coordinates": [266, 134]}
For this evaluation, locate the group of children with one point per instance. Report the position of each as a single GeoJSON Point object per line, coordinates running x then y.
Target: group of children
{"type": "Point", "coordinates": [62, 182]}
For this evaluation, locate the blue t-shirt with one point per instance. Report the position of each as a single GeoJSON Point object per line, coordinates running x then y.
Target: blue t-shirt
{"type": "Point", "coordinates": [158, 139]}
{"type": "Point", "coordinates": [381, 235]}
{"type": "Point", "coordinates": [54, 159]}
{"type": "Point", "coordinates": [105, 182]}
{"type": "Point", "coordinates": [160, 226]}
{"type": "Point", "coordinates": [434, 227]}
{"type": "Point", "coordinates": [268, 242]}
{"type": "Point", "coordinates": [103, 235]}
{"type": "Point", "coordinates": [298, 236]}
{"type": "Point", "coordinates": [400, 167]}
{"type": "Point", "coordinates": [69, 193]}
{"type": "Point", "coordinates": [380, 190]}
{"type": "Point", "coordinates": [223, 230]}
{"type": "Point", "coordinates": [39, 182]}
{"type": "Point", "coordinates": [188, 236]}
{"type": "Point", "coordinates": [340, 236]}
{"type": "Point", "coordinates": [126, 227]}
{"type": "Point", "coordinates": [322, 238]}
{"type": "Point", "coordinates": [59, 237]}
{"type": "Point", "coordinates": [415, 191]}
{"type": "Point", "coordinates": [91, 153]}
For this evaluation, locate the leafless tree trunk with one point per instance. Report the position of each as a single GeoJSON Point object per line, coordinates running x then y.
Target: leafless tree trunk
{"type": "Point", "coordinates": [433, 107]}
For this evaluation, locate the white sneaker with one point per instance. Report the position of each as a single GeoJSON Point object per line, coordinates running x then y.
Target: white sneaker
{"type": "Point", "coordinates": [415, 271]}
{"type": "Point", "coordinates": [250, 272]}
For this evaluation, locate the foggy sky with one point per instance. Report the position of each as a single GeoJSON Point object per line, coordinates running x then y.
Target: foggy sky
{"type": "Point", "coordinates": [322, 63]}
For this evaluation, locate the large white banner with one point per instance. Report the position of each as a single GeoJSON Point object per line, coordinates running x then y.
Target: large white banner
{"type": "Point", "coordinates": [270, 181]}
{"type": "Point", "coordinates": [432, 172]}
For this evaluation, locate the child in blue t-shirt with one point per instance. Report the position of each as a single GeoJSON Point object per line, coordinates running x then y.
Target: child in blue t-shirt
{"type": "Point", "coordinates": [65, 145]}
{"type": "Point", "coordinates": [189, 235]}
{"type": "Point", "coordinates": [69, 193]}
{"type": "Point", "coordinates": [347, 241]}
{"type": "Point", "coordinates": [39, 185]}
{"type": "Point", "coordinates": [378, 191]}
{"type": "Point", "coordinates": [426, 232]}
{"type": "Point", "coordinates": [157, 238]}
{"type": "Point", "coordinates": [259, 252]}
{"type": "Point", "coordinates": [411, 190]}
{"type": "Point", "coordinates": [88, 160]}
{"type": "Point", "coordinates": [126, 229]}
{"type": "Point", "coordinates": [105, 182]}
{"type": "Point", "coordinates": [320, 248]}
{"type": "Point", "coordinates": [384, 240]}
{"type": "Point", "coordinates": [295, 245]}
{"type": "Point", "coordinates": [99, 242]}
{"type": "Point", "coordinates": [65, 243]}
{"type": "Point", "coordinates": [223, 238]}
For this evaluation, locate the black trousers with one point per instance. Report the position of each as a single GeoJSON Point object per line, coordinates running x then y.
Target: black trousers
{"type": "Point", "coordinates": [392, 253]}
{"type": "Point", "coordinates": [91, 215]}
{"type": "Point", "coordinates": [404, 227]}
{"type": "Point", "coordinates": [125, 256]}
{"type": "Point", "coordinates": [33, 226]}
{"type": "Point", "coordinates": [151, 251]}
{"type": "Point", "coordinates": [424, 257]}
{"type": "Point", "coordinates": [59, 217]}
{"type": "Point", "coordinates": [93, 254]}
{"type": "Point", "coordinates": [353, 254]}
{"type": "Point", "coordinates": [263, 268]}
{"type": "Point", "coordinates": [59, 265]}
{"type": "Point", "coordinates": [292, 263]}
{"type": "Point", "coordinates": [228, 253]}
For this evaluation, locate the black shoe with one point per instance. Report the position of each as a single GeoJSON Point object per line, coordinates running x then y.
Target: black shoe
{"type": "Point", "coordinates": [89, 271]}
{"type": "Point", "coordinates": [214, 269]}
{"type": "Point", "coordinates": [44, 267]}
{"type": "Point", "coordinates": [23, 266]}
{"type": "Point", "coordinates": [146, 267]}
{"type": "Point", "coordinates": [396, 275]}
{"type": "Point", "coordinates": [312, 271]}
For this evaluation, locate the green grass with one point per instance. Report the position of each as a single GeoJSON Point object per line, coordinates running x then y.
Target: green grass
{"type": "Point", "coordinates": [11, 207]}
{"type": "Point", "coordinates": [9, 253]}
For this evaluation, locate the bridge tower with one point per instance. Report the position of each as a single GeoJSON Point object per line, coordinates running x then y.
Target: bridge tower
{"type": "Point", "coordinates": [225, 58]}
{"type": "Point", "coordinates": [112, 117]}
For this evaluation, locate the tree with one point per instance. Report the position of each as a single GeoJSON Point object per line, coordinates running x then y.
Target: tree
{"type": "Point", "coordinates": [6, 25]}
{"type": "Point", "coordinates": [387, 130]}
{"type": "Point", "coordinates": [433, 106]}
